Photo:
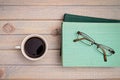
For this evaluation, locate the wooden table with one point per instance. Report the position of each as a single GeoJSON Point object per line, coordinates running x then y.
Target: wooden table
{"type": "Point", "coordinates": [19, 18]}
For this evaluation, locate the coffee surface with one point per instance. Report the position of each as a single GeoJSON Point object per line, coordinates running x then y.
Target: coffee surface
{"type": "Point", "coordinates": [34, 47]}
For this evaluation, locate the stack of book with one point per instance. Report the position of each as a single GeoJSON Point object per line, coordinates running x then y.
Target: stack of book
{"type": "Point", "coordinates": [90, 42]}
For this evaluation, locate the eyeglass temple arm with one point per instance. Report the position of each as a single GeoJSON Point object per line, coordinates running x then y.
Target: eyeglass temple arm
{"type": "Point", "coordinates": [75, 40]}
{"type": "Point", "coordinates": [104, 54]}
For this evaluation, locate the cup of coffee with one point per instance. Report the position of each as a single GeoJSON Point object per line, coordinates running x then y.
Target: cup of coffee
{"type": "Point", "coordinates": [33, 47]}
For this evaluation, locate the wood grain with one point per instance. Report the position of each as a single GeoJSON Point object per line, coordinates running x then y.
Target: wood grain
{"type": "Point", "coordinates": [56, 12]}
{"type": "Point", "coordinates": [59, 2]}
{"type": "Point", "coordinates": [10, 41]}
{"type": "Point", "coordinates": [58, 72]}
{"type": "Point", "coordinates": [30, 27]}
{"type": "Point", "coordinates": [2, 73]}
{"type": "Point", "coordinates": [15, 57]}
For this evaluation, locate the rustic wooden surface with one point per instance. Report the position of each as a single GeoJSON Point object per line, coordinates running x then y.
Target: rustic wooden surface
{"type": "Point", "coordinates": [19, 18]}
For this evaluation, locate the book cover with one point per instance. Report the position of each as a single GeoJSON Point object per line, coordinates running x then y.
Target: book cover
{"type": "Point", "coordinates": [78, 54]}
{"type": "Point", "coordinates": [80, 18]}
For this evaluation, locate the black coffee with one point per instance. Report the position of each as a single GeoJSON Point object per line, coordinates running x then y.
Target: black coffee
{"type": "Point", "coordinates": [34, 47]}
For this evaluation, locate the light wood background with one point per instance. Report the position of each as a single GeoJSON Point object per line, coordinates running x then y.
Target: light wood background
{"type": "Point", "coordinates": [19, 18]}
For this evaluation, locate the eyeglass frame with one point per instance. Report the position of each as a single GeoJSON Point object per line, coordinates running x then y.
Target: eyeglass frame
{"type": "Point", "coordinates": [102, 47]}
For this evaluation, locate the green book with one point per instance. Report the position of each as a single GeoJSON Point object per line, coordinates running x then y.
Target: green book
{"type": "Point", "coordinates": [79, 18]}
{"type": "Point", "coordinates": [78, 54]}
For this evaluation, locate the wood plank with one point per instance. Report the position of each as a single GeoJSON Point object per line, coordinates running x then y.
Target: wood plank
{"type": "Point", "coordinates": [15, 57]}
{"type": "Point", "coordinates": [2, 73]}
{"type": "Point", "coordinates": [60, 2]}
{"type": "Point", "coordinates": [59, 72]}
{"type": "Point", "coordinates": [29, 27]}
{"type": "Point", "coordinates": [56, 12]}
{"type": "Point", "coordinates": [10, 41]}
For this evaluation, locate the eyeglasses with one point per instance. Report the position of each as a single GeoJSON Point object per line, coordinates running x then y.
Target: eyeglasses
{"type": "Point", "coordinates": [105, 50]}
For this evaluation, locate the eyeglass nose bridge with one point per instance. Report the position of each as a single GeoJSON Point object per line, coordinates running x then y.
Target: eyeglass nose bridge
{"type": "Point", "coordinates": [98, 45]}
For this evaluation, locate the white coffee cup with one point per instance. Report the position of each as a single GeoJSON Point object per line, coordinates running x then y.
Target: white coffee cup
{"type": "Point", "coordinates": [22, 47]}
